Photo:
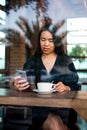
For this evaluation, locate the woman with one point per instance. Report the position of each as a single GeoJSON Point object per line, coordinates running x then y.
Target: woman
{"type": "Point", "coordinates": [50, 63]}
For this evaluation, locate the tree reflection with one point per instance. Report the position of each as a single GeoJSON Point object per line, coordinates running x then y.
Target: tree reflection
{"type": "Point", "coordinates": [17, 4]}
{"type": "Point", "coordinates": [79, 51]}
{"type": "Point", "coordinates": [29, 35]}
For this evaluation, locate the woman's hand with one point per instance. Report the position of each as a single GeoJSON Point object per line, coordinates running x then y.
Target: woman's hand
{"type": "Point", "coordinates": [20, 83]}
{"type": "Point", "coordinates": [60, 87]}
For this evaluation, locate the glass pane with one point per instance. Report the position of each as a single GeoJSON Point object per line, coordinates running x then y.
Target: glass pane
{"type": "Point", "coordinates": [2, 36]}
{"type": "Point", "coordinates": [77, 50]}
{"type": "Point", "coordinates": [80, 63]}
{"type": "Point", "coordinates": [77, 31]}
{"type": "Point", "coordinates": [2, 2]}
{"type": "Point", "coordinates": [80, 54]}
{"type": "Point", "coordinates": [2, 57]}
{"type": "Point", "coordinates": [1, 77]}
{"type": "Point", "coordinates": [22, 19]}
{"type": "Point", "coordinates": [83, 77]}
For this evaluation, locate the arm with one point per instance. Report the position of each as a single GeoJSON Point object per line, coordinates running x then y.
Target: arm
{"type": "Point", "coordinates": [73, 82]}
{"type": "Point", "coordinates": [68, 78]}
{"type": "Point", "coordinates": [22, 83]}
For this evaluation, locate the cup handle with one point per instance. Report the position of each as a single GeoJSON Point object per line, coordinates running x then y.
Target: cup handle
{"type": "Point", "coordinates": [53, 88]}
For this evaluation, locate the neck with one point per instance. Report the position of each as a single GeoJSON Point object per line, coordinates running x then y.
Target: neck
{"type": "Point", "coordinates": [49, 55]}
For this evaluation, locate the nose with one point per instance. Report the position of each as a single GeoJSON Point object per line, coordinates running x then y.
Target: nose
{"type": "Point", "coordinates": [46, 42]}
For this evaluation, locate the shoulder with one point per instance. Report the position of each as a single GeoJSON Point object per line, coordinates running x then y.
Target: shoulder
{"type": "Point", "coordinates": [64, 59]}
{"type": "Point", "coordinates": [32, 59]}
{"type": "Point", "coordinates": [30, 62]}
{"type": "Point", "coordinates": [65, 56]}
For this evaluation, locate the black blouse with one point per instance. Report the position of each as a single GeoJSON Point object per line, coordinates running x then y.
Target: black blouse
{"type": "Point", "coordinates": [63, 70]}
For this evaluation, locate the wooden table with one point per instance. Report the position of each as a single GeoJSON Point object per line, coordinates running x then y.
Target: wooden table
{"type": "Point", "coordinates": [74, 99]}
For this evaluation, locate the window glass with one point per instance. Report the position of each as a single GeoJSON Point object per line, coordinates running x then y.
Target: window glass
{"type": "Point", "coordinates": [20, 22]}
{"type": "Point", "coordinates": [83, 77]}
{"type": "Point", "coordinates": [77, 30]}
{"type": "Point", "coordinates": [2, 56]}
{"type": "Point", "coordinates": [0, 77]}
{"type": "Point", "coordinates": [80, 63]}
{"type": "Point", "coordinates": [2, 35]}
{"type": "Point", "coordinates": [77, 41]}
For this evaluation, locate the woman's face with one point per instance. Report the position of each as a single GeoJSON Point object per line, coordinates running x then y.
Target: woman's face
{"type": "Point", "coordinates": [46, 42]}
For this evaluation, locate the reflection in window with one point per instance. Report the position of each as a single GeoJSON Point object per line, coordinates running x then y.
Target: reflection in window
{"type": "Point", "coordinates": [79, 52]}
{"type": "Point", "coordinates": [2, 56]}
{"type": "Point", "coordinates": [2, 35]}
{"type": "Point", "coordinates": [18, 13]}
{"type": "Point", "coordinates": [77, 44]}
{"type": "Point", "coordinates": [80, 63]}
{"type": "Point", "coordinates": [2, 2]}
{"type": "Point", "coordinates": [77, 30]}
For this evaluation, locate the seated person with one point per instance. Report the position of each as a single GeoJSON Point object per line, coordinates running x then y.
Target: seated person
{"type": "Point", "coordinates": [50, 63]}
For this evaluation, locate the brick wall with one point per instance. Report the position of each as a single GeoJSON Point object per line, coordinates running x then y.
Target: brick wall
{"type": "Point", "coordinates": [17, 57]}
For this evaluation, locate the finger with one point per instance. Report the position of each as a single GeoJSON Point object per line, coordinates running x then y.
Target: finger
{"type": "Point", "coordinates": [23, 88]}
{"type": "Point", "coordinates": [22, 81]}
{"type": "Point", "coordinates": [60, 88]}
{"type": "Point", "coordinates": [23, 84]}
{"type": "Point", "coordinates": [17, 77]}
{"type": "Point", "coordinates": [57, 86]}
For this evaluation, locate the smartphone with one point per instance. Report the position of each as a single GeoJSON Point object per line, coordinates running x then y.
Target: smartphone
{"type": "Point", "coordinates": [21, 73]}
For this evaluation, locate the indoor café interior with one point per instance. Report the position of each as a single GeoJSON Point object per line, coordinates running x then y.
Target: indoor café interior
{"type": "Point", "coordinates": [20, 24]}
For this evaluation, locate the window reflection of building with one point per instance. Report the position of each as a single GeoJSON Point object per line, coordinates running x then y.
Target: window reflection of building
{"type": "Point", "coordinates": [77, 37]}
{"type": "Point", "coordinates": [2, 35]}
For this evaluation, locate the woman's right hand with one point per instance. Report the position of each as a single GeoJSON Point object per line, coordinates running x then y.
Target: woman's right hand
{"type": "Point", "coordinates": [21, 83]}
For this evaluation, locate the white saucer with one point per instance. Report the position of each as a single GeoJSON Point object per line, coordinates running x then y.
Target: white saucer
{"type": "Point", "coordinates": [43, 92]}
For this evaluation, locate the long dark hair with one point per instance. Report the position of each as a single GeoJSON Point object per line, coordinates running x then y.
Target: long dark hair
{"type": "Point", "coordinates": [59, 49]}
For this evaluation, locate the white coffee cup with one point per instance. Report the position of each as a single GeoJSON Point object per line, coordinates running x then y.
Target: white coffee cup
{"type": "Point", "coordinates": [44, 86]}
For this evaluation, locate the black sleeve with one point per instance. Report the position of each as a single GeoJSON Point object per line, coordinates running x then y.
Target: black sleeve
{"type": "Point", "coordinates": [73, 78]}
{"type": "Point", "coordinates": [27, 65]}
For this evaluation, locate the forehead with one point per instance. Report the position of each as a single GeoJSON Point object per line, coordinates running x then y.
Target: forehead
{"type": "Point", "coordinates": [46, 34]}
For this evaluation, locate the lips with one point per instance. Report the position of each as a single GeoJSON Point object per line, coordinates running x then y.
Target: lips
{"type": "Point", "coordinates": [45, 49]}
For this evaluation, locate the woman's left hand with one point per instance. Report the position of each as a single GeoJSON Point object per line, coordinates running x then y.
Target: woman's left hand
{"type": "Point", "coordinates": [60, 87]}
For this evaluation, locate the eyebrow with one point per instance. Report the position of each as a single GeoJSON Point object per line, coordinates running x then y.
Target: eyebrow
{"type": "Point", "coordinates": [47, 38]}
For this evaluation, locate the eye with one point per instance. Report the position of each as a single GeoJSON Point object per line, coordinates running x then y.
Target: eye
{"type": "Point", "coordinates": [50, 40]}
{"type": "Point", "coordinates": [43, 39]}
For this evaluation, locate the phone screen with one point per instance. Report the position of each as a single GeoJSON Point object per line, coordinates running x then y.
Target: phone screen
{"type": "Point", "coordinates": [21, 73]}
